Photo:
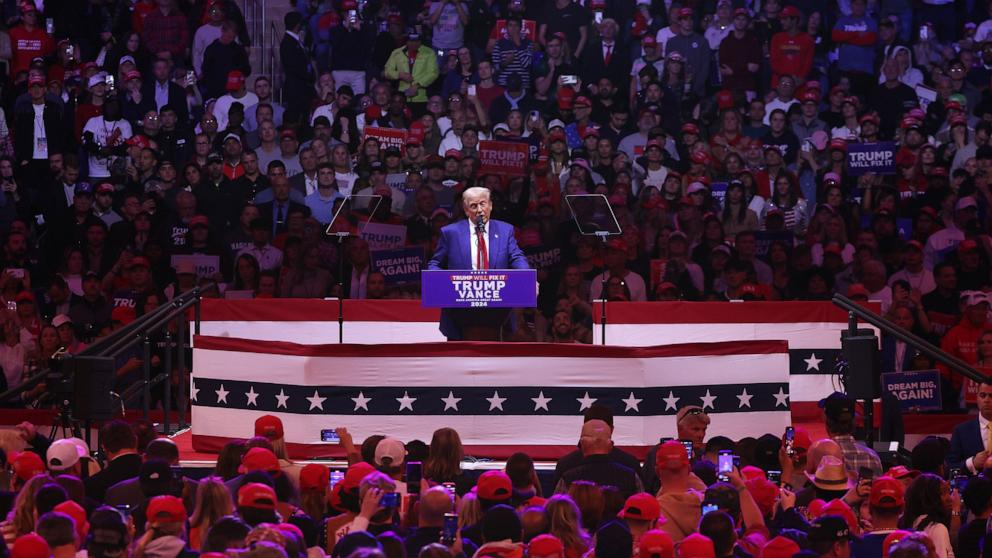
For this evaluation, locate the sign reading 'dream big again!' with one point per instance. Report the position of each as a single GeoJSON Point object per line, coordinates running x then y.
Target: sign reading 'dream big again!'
{"type": "Point", "coordinates": [493, 288]}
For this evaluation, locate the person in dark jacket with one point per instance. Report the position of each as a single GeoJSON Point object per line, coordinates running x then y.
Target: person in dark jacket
{"type": "Point", "coordinates": [597, 466]}
{"type": "Point", "coordinates": [298, 72]}
{"type": "Point", "coordinates": [123, 461]}
{"type": "Point", "coordinates": [29, 148]}
{"type": "Point", "coordinates": [221, 57]}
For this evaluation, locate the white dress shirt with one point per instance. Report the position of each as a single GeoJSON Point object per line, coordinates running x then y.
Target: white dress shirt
{"type": "Point", "coordinates": [983, 431]}
{"type": "Point", "coordinates": [474, 239]}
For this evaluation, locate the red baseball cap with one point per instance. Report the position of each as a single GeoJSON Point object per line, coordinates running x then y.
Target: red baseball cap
{"type": "Point", "coordinates": [690, 128]}
{"type": "Point", "coordinates": [36, 79]}
{"type": "Point", "coordinates": [696, 546]}
{"type": "Point", "coordinates": [139, 140]}
{"type": "Point", "coordinates": [132, 74]}
{"type": "Point", "coordinates": [671, 455]}
{"type": "Point", "coordinates": [314, 476]}
{"type": "Point", "coordinates": [78, 514]}
{"type": "Point", "coordinates": [235, 79]}
{"type": "Point", "coordinates": [123, 314]}
{"type": "Point", "coordinates": [887, 492]}
{"type": "Point", "coordinates": [765, 494]}
{"type": "Point", "coordinates": [790, 11]}
{"type": "Point", "coordinates": [165, 509]}
{"type": "Point", "coordinates": [139, 261]}
{"type": "Point", "coordinates": [800, 439]}
{"type": "Point", "coordinates": [546, 546]}
{"type": "Point", "coordinates": [199, 220]}
{"type": "Point", "coordinates": [649, 41]}
{"type": "Point", "coordinates": [30, 546]}
{"type": "Point", "coordinates": [810, 96]}
{"type": "Point", "coordinates": [839, 507]}
{"type": "Point", "coordinates": [656, 543]}
{"type": "Point", "coordinates": [857, 289]}
{"type": "Point", "coordinates": [751, 472]}
{"type": "Point", "coordinates": [779, 547]}
{"type": "Point", "coordinates": [259, 459]}
{"type": "Point", "coordinates": [269, 426]}
{"type": "Point", "coordinates": [642, 506]}
{"type": "Point", "coordinates": [27, 464]}
{"type": "Point", "coordinates": [257, 496]}
{"type": "Point", "coordinates": [494, 485]}
{"type": "Point", "coordinates": [839, 143]}
{"type": "Point", "coordinates": [901, 471]}
{"type": "Point", "coordinates": [354, 475]}
{"type": "Point", "coordinates": [685, 12]}
{"type": "Point", "coordinates": [870, 117]}
{"type": "Point", "coordinates": [583, 101]}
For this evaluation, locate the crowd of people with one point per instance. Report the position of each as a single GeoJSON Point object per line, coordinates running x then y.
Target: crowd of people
{"type": "Point", "coordinates": [142, 154]}
{"type": "Point", "coordinates": [695, 495]}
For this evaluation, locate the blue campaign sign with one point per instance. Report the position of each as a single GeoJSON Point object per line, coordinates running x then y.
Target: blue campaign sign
{"type": "Point", "coordinates": [879, 158]}
{"type": "Point", "coordinates": [400, 265]}
{"type": "Point", "coordinates": [493, 288]}
{"type": "Point", "coordinates": [919, 390]}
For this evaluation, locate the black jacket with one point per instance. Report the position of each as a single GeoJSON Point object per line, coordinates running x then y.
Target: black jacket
{"type": "Point", "coordinates": [602, 470]}
{"type": "Point", "coordinates": [219, 60]}
{"type": "Point", "coordinates": [177, 98]}
{"type": "Point", "coordinates": [117, 470]}
{"type": "Point", "coordinates": [299, 78]}
{"type": "Point", "coordinates": [55, 131]}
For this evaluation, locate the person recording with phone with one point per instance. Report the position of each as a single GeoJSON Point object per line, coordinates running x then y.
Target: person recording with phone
{"type": "Point", "coordinates": [436, 508]}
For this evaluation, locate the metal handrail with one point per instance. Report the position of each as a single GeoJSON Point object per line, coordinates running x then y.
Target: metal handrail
{"type": "Point", "coordinates": [956, 365]}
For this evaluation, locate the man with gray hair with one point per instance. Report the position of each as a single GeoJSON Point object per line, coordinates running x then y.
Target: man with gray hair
{"type": "Point", "coordinates": [476, 243]}
{"type": "Point", "coordinates": [596, 443]}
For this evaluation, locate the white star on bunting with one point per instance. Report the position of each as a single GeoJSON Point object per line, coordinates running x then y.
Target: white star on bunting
{"type": "Point", "coordinates": [744, 400]}
{"type": "Point", "coordinates": [221, 394]}
{"type": "Point", "coordinates": [781, 398]}
{"type": "Point", "coordinates": [316, 402]}
{"type": "Point", "coordinates": [361, 402]}
{"type": "Point", "coordinates": [541, 402]}
{"type": "Point", "coordinates": [708, 400]}
{"type": "Point", "coordinates": [252, 396]}
{"type": "Point", "coordinates": [585, 402]}
{"type": "Point", "coordinates": [671, 401]}
{"type": "Point", "coordinates": [281, 399]}
{"type": "Point", "coordinates": [406, 402]}
{"type": "Point", "coordinates": [812, 363]}
{"type": "Point", "coordinates": [632, 403]}
{"type": "Point", "coordinates": [451, 402]}
{"type": "Point", "coordinates": [495, 402]}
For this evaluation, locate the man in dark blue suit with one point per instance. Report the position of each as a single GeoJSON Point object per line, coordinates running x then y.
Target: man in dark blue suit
{"type": "Point", "coordinates": [970, 440]}
{"type": "Point", "coordinates": [475, 243]}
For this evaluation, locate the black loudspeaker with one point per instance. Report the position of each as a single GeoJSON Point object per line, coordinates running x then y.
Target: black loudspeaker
{"type": "Point", "coordinates": [93, 381]}
{"type": "Point", "coordinates": [862, 378]}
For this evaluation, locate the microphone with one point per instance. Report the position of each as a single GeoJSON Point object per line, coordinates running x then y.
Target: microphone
{"type": "Point", "coordinates": [480, 226]}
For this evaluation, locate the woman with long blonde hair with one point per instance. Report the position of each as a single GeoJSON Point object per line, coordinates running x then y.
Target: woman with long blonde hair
{"type": "Point", "coordinates": [588, 496]}
{"type": "Point", "coordinates": [22, 518]}
{"type": "Point", "coordinates": [566, 523]}
{"type": "Point", "coordinates": [213, 501]}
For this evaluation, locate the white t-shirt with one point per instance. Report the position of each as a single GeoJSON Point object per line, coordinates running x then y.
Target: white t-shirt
{"type": "Point", "coordinates": [40, 139]}
{"type": "Point", "coordinates": [223, 105]}
{"type": "Point", "coordinates": [105, 133]}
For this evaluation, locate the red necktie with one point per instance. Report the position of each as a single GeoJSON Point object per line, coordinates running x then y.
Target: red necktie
{"type": "Point", "coordinates": [608, 56]}
{"type": "Point", "coordinates": [482, 260]}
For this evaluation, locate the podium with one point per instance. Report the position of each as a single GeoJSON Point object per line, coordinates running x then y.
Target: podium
{"type": "Point", "coordinates": [477, 303]}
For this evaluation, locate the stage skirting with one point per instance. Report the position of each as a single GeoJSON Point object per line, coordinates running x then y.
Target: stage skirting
{"type": "Point", "coordinates": [501, 397]}
{"type": "Point", "coordinates": [812, 329]}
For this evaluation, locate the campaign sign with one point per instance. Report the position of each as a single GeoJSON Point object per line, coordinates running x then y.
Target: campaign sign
{"type": "Point", "coordinates": [528, 29]}
{"type": "Point", "coordinates": [206, 266]}
{"type": "Point", "coordinates": [388, 137]}
{"type": "Point", "coordinates": [399, 266]}
{"type": "Point", "coordinates": [492, 288]}
{"type": "Point", "coordinates": [919, 390]}
{"type": "Point", "coordinates": [382, 236]}
{"type": "Point", "coordinates": [879, 158]}
{"type": "Point", "coordinates": [765, 239]}
{"type": "Point", "coordinates": [503, 157]}
{"type": "Point", "coordinates": [543, 257]}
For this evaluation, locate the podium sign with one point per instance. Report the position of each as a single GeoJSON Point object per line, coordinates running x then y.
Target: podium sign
{"type": "Point", "coordinates": [492, 288]}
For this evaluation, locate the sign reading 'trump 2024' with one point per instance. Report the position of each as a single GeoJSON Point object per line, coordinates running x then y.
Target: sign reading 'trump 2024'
{"type": "Point", "coordinates": [493, 288]}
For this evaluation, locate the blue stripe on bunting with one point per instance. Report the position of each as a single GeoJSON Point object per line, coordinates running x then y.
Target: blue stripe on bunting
{"type": "Point", "coordinates": [440, 400]}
